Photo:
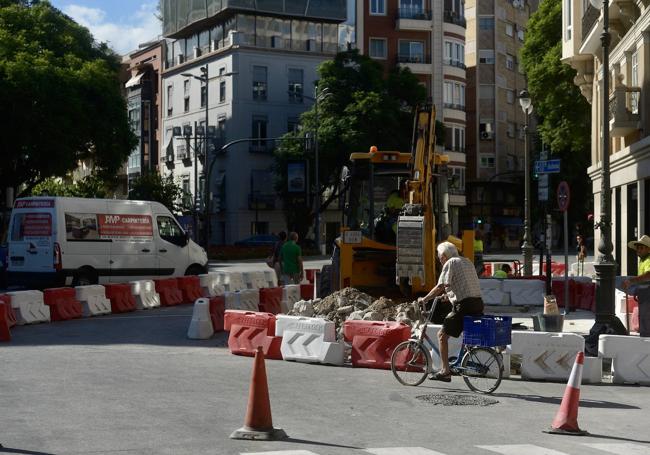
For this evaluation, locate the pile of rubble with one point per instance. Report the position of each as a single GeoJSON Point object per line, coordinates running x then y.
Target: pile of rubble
{"type": "Point", "coordinates": [352, 304]}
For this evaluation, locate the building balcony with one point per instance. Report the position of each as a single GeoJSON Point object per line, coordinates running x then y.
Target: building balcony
{"type": "Point", "coordinates": [455, 63]}
{"type": "Point", "coordinates": [417, 63]}
{"type": "Point", "coordinates": [414, 19]}
{"type": "Point", "coordinates": [457, 107]}
{"type": "Point", "coordinates": [624, 111]}
{"type": "Point", "coordinates": [452, 17]}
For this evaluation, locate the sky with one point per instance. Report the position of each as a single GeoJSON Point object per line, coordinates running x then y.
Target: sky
{"type": "Point", "coordinates": [123, 24]}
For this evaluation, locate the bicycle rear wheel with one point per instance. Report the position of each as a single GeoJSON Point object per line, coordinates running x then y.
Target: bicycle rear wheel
{"type": "Point", "coordinates": [482, 369]}
{"type": "Point", "coordinates": [410, 363]}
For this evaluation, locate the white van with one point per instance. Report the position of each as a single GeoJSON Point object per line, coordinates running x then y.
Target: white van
{"type": "Point", "coordinates": [56, 241]}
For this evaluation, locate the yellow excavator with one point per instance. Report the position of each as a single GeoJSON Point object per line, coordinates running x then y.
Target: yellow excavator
{"type": "Point", "coordinates": [395, 211]}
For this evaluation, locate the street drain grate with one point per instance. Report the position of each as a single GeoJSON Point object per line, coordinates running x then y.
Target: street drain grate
{"type": "Point", "coordinates": [456, 400]}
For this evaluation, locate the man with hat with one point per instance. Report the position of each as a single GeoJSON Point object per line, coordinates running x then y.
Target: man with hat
{"type": "Point", "coordinates": [642, 247]}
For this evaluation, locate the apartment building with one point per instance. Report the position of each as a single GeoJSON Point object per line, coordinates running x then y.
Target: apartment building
{"type": "Point", "coordinates": [628, 107]}
{"type": "Point", "coordinates": [495, 137]}
{"type": "Point", "coordinates": [428, 38]}
{"type": "Point", "coordinates": [144, 106]}
{"type": "Point", "coordinates": [260, 58]}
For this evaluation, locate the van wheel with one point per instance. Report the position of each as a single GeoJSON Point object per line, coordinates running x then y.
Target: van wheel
{"type": "Point", "coordinates": [195, 270]}
{"type": "Point", "coordinates": [84, 277]}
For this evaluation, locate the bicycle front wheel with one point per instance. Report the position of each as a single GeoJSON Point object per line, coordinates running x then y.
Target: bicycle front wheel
{"type": "Point", "coordinates": [410, 363]}
{"type": "Point", "coordinates": [482, 369]}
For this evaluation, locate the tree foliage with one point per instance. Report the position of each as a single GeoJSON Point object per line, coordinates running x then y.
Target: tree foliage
{"type": "Point", "coordinates": [59, 95]}
{"type": "Point", "coordinates": [562, 112]}
{"type": "Point", "coordinates": [154, 187]}
{"type": "Point", "coordinates": [359, 106]}
{"type": "Point", "coordinates": [90, 186]}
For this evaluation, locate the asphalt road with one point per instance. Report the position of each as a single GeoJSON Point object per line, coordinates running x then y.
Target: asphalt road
{"type": "Point", "coordinates": [134, 384]}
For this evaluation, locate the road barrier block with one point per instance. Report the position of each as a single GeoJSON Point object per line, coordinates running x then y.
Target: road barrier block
{"type": "Point", "coordinates": [585, 294]}
{"type": "Point", "coordinates": [307, 291]}
{"type": "Point", "coordinates": [144, 292]}
{"type": "Point", "coordinates": [190, 287]}
{"type": "Point", "coordinates": [373, 342]}
{"type": "Point", "coordinates": [271, 279]}
{"type": "Point", "coordinates": [201, 324]}
{"type": "Point", "coordinates": [93, 300]}
{"type": "Point", "coordinates": [270, 300]}
{"type": "Point", "coordinates": [249, 299]}
{"type": "Point", "coordinates": [168, 291]}
{"type": "Point", "coordinates": [232, 281]}
{"type": "Point", "coordinates": [310, 275]}
{"type": "Point", "coordinates": [546, 355]}
{"type": "Point", "coordinates": [11, 315]}
{"type": "Point", "coordinates": [231, 300]}
{"type": "Point", "coordinates": [592, 371]}
{"type": "Point", "coordinates": [492, 292]}
{"type": "Point", "coordinates": [63, 304]}
{"type": "Point", "coordinates": [122, 301]}
{"type": "Point", "coordinates": [255, 280]}
{"type": "Point", "coordinates": [210, 285]}
{"type": "Point", "coordinates": [29, 307]}
{"type": "Point", "coordinates": [630, 358]}
{"type": "Point", "coordinates": [250, 329]}
{"type": "Point", "coordinates": [454, 345]}
{"type": "Point", "coordinates": [5, 333]}
{"type": "Point", "coordinates": [290, 295]}
{"type": "Point", "coordinates": [525, 292]}
{"type": "Point", "coordinates": [310, 340]}
{"type": "Point", "coordinates": [217, 312]}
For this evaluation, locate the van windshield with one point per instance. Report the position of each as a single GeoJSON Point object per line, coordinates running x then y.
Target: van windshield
{"type": "Point", "coordinates": [28, 226]}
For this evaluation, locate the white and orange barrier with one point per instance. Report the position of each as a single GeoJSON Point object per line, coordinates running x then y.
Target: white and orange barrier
{"type": "Point", "coordinates": [255, 280]}
{"type": "Point", "coordinates": [210, 285]}
{"type": "Point", "coordinates": [29, 307]}
{"type": "Point", "coordinates": [546, 355]}
{"type": "Point", "coordinates": [630, 358]}
{"type": "Point", "coordinates": [290, 295]}
{"type": "Point", "coordinates": [93, 300]}
{"type": "Point", "coordinates": [311, 340]}
{"type": "Point", "coordinates": [145, 294]}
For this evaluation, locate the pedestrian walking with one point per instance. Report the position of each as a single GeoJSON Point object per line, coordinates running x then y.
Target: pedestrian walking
{"type": "Point", "coordinates": [581, 250]}
{"type": "Point", "coordinates": [291, 257]}
{"type": "Point", "coordinates": [277, 264]}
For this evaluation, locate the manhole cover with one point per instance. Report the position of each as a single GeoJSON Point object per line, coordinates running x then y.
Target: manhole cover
{"type": "Point", "coordinates": [456, 400]}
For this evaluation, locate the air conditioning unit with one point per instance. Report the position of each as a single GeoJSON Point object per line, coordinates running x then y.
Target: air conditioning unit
{"type": "Point", "coordinates": [487, 135]}
{"type": "Point", "coordinates": [196, 51]}
{"type": "Point", "coordinates": [180, 59]}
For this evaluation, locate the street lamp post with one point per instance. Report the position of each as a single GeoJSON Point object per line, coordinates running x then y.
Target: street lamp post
{"type": "Point", "coordinates": [605, 265]}
{"type": "Point", "coordinates": [526, 247]}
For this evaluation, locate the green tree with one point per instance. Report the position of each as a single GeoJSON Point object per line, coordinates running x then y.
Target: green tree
{"type": "Point", "coordinates": [564, 115]}
{"type": "Point", "coordinates": [359, 106]}
{"type": "Point", "coordinates": [154, 187]}
{"type": "Point", "coordinates": [91, 186]}
{"type": "Point", "coordinates": [59, 96]}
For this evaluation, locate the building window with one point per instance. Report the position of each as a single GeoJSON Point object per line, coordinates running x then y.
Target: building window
{"type": "Point", "coordinates": [293, 125]}
{"type": "Point", "coordinates": [486, 92]}
{"type": "Point", "coordinates": [520, 35]}
{"type": "Point", "coordinates": [486, 56]}
{"type": "Point", "coordinates": [486, 23]}
{"type": "Point", "coordinates": [510, 30]}
{"type": "Point", "coordinates": [458, 139]}
{"type": "Point", "coordinates": [170, 104]}
{"type": "Point", "coordinates": [510, 96]}
{"type": "Point", "coordinates": [295, 85]}
{"type": "Point", "coordinates": [221, 128]}
{"type": "Point", "coordinates": [510, 62]}
{"type": "Point", "coordinates": [454, 95]}
{"type": "Point", "coordinates": [378, 7]}
{"type": "Point", "coordinates": [259, 83]}
{"type": "Point", "coordinates": [222, 85]}
{"type": "Point", "coordinates": [485, 130]}
{"type": "Point", "coordinates": [203, 96]}
{"type": "Point", "coordinates": [634, 81]}
{"type": "Point", "coordinates": [378, 48]}
{"type": "Point", "coordinates": [511, 130]}
{"type": "Point", "coordinates": [411, 51]}
{"type": "Point", "coordinates": [186, 94]}
{"type": "Point", "coordinates": [457, 183]}
{"type": "Point", "coordinates": [260, 123]}
{"type": "Point", "coordinates": [487, 161]}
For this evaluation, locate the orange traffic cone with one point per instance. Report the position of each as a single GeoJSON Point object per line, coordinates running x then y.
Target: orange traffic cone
{"type": "Point", "coordinates": [258, 423]}
{"type": "Point", "coordinates": [5, 334]}
{"type": "Point", "coordinates": [566, 419]}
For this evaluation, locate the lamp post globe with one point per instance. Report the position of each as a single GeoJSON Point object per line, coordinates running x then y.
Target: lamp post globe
{"type": "Point", "coordinates": [527, 246]}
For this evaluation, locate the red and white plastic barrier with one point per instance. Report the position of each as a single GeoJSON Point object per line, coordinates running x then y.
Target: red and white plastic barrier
{"type": "Point", "coordinates": [144, 292]}
{"type": "Point", "coordinates": [122, 301]}
{"type": "Point", "coordinates": [250, 329]}
{"type": "Point", "coordinates": [63, 304]}
{"type": "Point", "coordinates": [201, 324]}
{"type": "Point", "coordinates": [311, 340]}
{"type": "Point", "coordinates": [29, 307]}
{"type": "Point", "coordinates": [169, 293]}
{"type": "Point", "coordinates": [93, 300]}
{"type": "Point", "coordinates": [373, 342]}
{"type": "Point", "coordinates": [210, 285]}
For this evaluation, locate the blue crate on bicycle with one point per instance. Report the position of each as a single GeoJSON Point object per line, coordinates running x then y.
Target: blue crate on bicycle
{"type": "Point", "coordinates": [487, 330]}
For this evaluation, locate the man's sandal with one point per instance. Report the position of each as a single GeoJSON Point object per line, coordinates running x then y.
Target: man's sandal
{"type": "Point", "coordinates": [439, 376]}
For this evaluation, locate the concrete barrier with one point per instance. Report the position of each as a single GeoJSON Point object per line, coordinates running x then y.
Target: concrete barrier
{"type": "Point", "coordinates": [201, 324]}
{"type": "Point", "coordinates": [93, 300]}
{"type": "Point", "coordinates": [546, 355]}
{"type": "Point", "coordinates": [310, 340]}
{"type": "Point", "coordinates": [144, 292]}
{"type": "Point", "coordinates": [29, 307]}
{"type": "Point", "coordinates": [630, 358]}
{"type": "Point", "coordinates": [492, 292]}
{"type": "Point", "coordinates": [525, 292]}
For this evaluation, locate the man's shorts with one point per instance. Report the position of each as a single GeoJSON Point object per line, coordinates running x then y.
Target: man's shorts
{"type": "Point", "coordinates": [453, 322]}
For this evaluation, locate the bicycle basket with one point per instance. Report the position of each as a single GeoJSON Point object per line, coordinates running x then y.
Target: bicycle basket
{"type": "Point", "coordinates": [487, 330]}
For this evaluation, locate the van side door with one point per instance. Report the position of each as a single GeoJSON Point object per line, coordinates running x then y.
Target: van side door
{"type": "Point", "coordinates": [172, 248]}
{"type": "Point", "coordinates": [133, 256]}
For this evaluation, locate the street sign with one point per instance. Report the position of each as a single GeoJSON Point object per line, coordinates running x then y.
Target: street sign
{"type": "Point", "coordinates": [547, 167]}
{"type": "Point", "coordinates": [563, 196]}
{"type": "Point", "coordinates": [542, 188]}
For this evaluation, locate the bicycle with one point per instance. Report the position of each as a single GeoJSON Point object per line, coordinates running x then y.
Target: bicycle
{"type": "Point", "coordinates": [480, 366]}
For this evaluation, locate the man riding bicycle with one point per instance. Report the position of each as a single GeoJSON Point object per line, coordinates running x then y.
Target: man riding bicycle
{"type": "Point", "coordinates": [458, 294]}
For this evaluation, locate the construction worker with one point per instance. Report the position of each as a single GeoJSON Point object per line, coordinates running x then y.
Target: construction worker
{"type": "Point", "coordinates": [387, 220]}
{"type": "Point", "coordinates": [503, 272]}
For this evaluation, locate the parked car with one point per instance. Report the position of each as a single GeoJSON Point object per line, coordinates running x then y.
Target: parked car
{"type": "Point", "coordinates": [258, 240]}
